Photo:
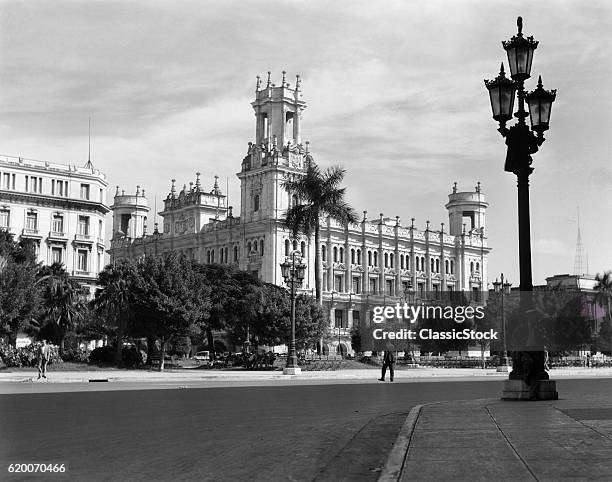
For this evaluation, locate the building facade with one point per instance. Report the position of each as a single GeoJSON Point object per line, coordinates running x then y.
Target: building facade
{"type": "Point", "coordinates": [62, 208]}
{"type": "Point", "coordinates": [366, 264]}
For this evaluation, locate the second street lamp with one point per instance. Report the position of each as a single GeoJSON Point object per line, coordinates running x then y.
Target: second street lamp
{"type": "Point", "coordinates": [503, 288]}
{"type": "Point", "coordinates": [293, 271]}
{"type": "Point", "coordinates": [527, 361]}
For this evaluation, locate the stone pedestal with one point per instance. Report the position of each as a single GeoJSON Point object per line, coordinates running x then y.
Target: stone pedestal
{"type": "Point", "coordinates": [292, 371]}
{"type": "Point", "coordinates": [519, 390]}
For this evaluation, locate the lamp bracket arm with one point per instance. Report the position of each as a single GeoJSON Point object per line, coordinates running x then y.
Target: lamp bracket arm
{"type": "Point", "coordinates": [503, 130]}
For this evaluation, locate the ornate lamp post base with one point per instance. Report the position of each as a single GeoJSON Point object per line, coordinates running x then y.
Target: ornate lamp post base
{"type": "Point", "coordinates": [540, 390]}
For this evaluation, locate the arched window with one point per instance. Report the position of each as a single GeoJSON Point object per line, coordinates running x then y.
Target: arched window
{"type": "Point", "coordinates": [358, 256]}
{"type": "Point", "coordinates": [446, 266]}
{"type": "Point", "coordinates": [431, 264]}
{"type": "Point", "coordinates": [352, 256]}
{"type": "Point", "coordinates": [256, 202]}
{"type": "Point", "coordinates": [375, 258]}
{"type": "Point", "coordinates": [422, 263]}
{"type": "Point", "coordinates": [342, 255]}
{"type": "Point", "coordinates": [248, 248]}
{"type": "Point", "coordinates": [478, 267]}
{"type": "Point", "coordinates": [287, 247]}
{"type": "Point", "coordinates": [335, 251]}
{"type": "Point", "coordinates": [401, 261]}
{"type": "Point", "coordinates": [235, 254]}
{"type": "Point", "coordinates": [471, 266]}
{"type": "Point", "coordinates": [255, 245]}
{"type": "Point", "coordinates": [294, 200]}
{"type": "Point", "coordinates": [295, 245]}
{"type": "Point", "coordinates": [386, 260]}
{"type": "Point", "coordinates": [391, 260]}
{"type": "Point", "coordinates": [208, 256]}
{"type": "Point", "coordinates": [261, 247]}
{"type": "Point", "coordinates": [452, 267]}
{"type": "Point", "coordinates": [323, 253]}
{"type": "Point", "coordinates": [212, 255]}
{"type": "Point", "coordinates": [369, 258]}
{"type": "Point", "coordinates": [437, 265]}
{"type": "Point", "coordinates": [303, 246]}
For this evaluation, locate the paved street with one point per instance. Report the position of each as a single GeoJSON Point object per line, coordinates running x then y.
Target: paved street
{"type": "Point", "coordinates": [318, 431]}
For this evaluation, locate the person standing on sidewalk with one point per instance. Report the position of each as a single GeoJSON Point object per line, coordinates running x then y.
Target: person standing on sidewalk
{"type": "Point", "coordinates": [44, 354]}
{"type": "Point", "coordinates": [388, 361]}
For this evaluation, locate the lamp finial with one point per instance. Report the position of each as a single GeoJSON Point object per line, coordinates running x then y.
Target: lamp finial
{"type": "Point", "coordinates": [519, 24]}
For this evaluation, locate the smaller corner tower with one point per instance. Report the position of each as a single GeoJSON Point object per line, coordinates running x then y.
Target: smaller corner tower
{"type": "Point", "coordinates": [467, 210]}
{"type": "Point", "coordinates": [129, 214]}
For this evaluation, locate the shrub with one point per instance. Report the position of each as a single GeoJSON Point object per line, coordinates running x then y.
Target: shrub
{"type": "Point", "coordinates": [77, 355]}
{"type": "Point", "coordinates": [103, 354]}
{"type": "Point", "coordinates": [26, 356]}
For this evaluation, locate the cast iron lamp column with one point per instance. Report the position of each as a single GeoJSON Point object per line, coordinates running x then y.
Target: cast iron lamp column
{"type": "Point", "coordinates": [293, 271]}
{"type": "Point", "coordinates": [522, 143]}
{"type": "Point", "coordinates": [503, 288]}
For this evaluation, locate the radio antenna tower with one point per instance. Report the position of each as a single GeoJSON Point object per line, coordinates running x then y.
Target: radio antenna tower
{"type": "Point", "coordinates": [579, 258]}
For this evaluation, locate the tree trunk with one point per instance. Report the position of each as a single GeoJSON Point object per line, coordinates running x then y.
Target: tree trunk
{"type": "Point", "coordinates": [151, 349]}
{"type": "Point", "coordinates": [211, 343]}
{"type": "Point", "coordinates": [118, 353]}
{"type": "Point", "coordinates": [162, 354]}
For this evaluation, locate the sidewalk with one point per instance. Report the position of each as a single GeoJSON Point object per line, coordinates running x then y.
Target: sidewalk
{"type": "Point", "coordinates": [192, 375]}
{"type": "Point", "coordinates": [497, 440]}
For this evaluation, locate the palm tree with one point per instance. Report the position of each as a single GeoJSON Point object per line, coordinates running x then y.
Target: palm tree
{"type": "Point", "coordinates": [319, 194]}
{"type": "Point", "coordinates": [116, 298]}
{"type": "Point", "coordinates": [603, 294]}
{"type": "Point", "coordinates": [63, 301]}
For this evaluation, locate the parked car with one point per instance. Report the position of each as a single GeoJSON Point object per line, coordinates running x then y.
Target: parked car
{"type": "Point", "coordinates": [202, 356]}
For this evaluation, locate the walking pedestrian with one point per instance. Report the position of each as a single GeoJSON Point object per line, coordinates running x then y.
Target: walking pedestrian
{"type": "Point", "coordinates": [44, 354]}
{"type": "Point", "coordinates": [388, 361]}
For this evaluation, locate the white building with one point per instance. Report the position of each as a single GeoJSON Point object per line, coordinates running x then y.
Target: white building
{"type": "Point", "coordinates": [364, 265]}
{"type": "Point", "coordinates": [61, 207]}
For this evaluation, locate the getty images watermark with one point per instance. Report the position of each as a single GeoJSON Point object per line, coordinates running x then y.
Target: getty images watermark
{"type": "Point", "coordinates": [414, 314]}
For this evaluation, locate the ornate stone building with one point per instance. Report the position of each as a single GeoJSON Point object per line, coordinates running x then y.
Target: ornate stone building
{"type": "Point", "coordinates": [372, 262]}
{"type": "Point", "coordinates": [62, 208]}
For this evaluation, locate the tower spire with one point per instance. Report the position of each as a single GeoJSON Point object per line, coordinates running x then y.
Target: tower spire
{"type": "Point", "coordinates": [89, 164]}
{"type": "Point", "coordinates": [579, 258]}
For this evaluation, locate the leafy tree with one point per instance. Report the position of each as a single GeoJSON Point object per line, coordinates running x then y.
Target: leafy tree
{"type": "Point", "coordinates": [319, 194]}
{"type": "Point", "coordinates": [603, 297]}
{"type": "Point", "coordinates": [115, 299]}
{"type": "Point", "coordinates": [19, 291]}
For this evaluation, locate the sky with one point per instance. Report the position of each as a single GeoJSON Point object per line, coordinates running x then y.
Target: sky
{"type": "Point", "coordinates": [394, 89]}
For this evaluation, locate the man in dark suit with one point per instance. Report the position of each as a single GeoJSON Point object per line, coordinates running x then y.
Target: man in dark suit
{"type": "Point", "coordinates": [44, 354]}
{"type": "Point", "coordinates": [388, 361]}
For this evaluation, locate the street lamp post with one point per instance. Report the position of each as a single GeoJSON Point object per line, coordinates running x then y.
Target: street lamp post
{"type": "Point", "coordinates": [528, 364]}
{"type": "Point", "coordinates": [503, 288]}
{"type": "Point", "coordinates": [293, 270]}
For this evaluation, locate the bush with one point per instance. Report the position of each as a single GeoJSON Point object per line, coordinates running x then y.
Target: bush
{"type": "Point", "coordinates": [26, 356]}
{"type": "Point", "coordinates": [106, 355]}
{"type": "Point", "coordinates": [76, 355]}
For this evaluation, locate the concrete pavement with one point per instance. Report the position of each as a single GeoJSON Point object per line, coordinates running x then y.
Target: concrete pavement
{"type": "Point", "coordinates": [196, 375]}
{"type": "Point", "coordinates": [505, 440]}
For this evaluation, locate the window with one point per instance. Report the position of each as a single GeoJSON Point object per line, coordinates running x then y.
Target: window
{"type": "Point", "coordinates": [391, 261]}
{"type": "Point", "coordinates": [335, 251]}
{"type": "Point", "coordinates": [256, 202]}
{"type": "Point", "coordinates": [338, 283]}
{"type": "Point", "coordinates": [303, 248]}
{"type": "Point", "coordinates": [32, 221]}
{"type": "Point", "coordinates": [339, 318]}
{"type": "Point", "coordinates": [446, 270]}
{"type": "Point", "coordinates": [261, 247]}
{"type": "Point", "coordinates": [59, 187]}
{"type": "Point", "coordinates": [84, 225]}
{"type": "Point", "coordinates": [437, 265]}
{"type": "Point", "coordinates": [342, 255]}
{"type": "Point", "coordinates": [100, 229]}
{"type": "Point", "coordinates": [478, 267]}
{"type": "Point", "coordinates": [369, 258]}
{"type": "Point", "coordinates": [375, 258]}
{"type": "Point", "coordinates": [352, 256]}
{"type": "Point", "coordinates": [373, 286]}
{"type": "Point", "coordinates": [84, 191]}
{"type": "Point", "coordinates": [432, 265]}
{"type": "Point", "coordinates": [255, 246]}
{"type": "Point", "coordinates": [389, 287]}
{"type": "Point", "coordinates": [323, 253]}
{"type": "Point", "coordinates": [421, 289]}
{"type": "Point", "coordinates": [356, 284]}
{"type": "Point", "coordinates": [356, 317]}
{"type": "Point", "coordinates": [471, 266]}
{"type": "Point", "coordinates": [386, 260]}
{"type": "Point", "coordinates": [58, 223]}
{"type": "Point", "coordinates": [235, 254]}
{"type": "Point", "coordinates": [4, 218]}
{"type": "Point", "coordinates": [295, 245]}
{"type": "Point", "coordinates": [452, 267]}
{"type": "Point", "coordinates": [33, 184]}
{"type": "Point", "coordinates": [208, 256]}
{"type": "Point", "coordinates": [288, 248]}
{"type": "Point", "coordinates": [436, 290]}
{"type": "Point", "coordinates": [101, 196]}
{"type": "Point", "coordinates": [6, 180]}
{"type": "Point", "coordinates": [82, 260]}
{"type": "Point", "coordinates": [56, 255]}
{"type": "Point", "coordinates": [422, 263]}
{"type": "Point", "coordinates": [401, 261]}
{"type": "Point", "coordinates": [212, 255]}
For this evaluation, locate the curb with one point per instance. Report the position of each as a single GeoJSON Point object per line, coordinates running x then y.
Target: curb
{"type": "Point", "coordinates": [395, 462]}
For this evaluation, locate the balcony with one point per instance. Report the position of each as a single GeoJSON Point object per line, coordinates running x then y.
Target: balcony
{"type": "Point", "coordinates": [83, 238]}
{"type": "Point", "coordinates": [83, 274]}
{"type": "Point", "coordinates": [30, 233]}
{"type": "Point", "coordinates": [59, 235]}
